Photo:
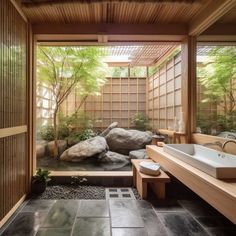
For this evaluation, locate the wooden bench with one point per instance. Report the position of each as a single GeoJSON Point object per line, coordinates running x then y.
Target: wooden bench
{"type": "Point", "coordinates": [141, 181]}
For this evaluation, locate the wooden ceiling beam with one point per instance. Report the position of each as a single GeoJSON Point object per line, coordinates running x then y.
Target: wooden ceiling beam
{"type": "Point", "coordinates": [211, 13]}
{"type": "Point", "coordinates": [111, 29]}
{"type": "Point", "coordinates": [37, 3]}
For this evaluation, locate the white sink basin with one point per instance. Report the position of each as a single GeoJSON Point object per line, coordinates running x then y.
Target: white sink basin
{"type": "Point", "coordinates": [217, 164]}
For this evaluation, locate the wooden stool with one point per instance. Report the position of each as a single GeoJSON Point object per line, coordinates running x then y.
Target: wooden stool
{"type": "Point", "coordinates": [141, 180]}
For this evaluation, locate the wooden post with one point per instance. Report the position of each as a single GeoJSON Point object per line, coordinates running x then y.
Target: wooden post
{"type": "Point", "coordinates": [188, 91]}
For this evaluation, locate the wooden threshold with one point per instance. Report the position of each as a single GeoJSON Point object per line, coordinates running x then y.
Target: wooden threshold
{"type": "Point", "coordinates": [11, 212]}
{"type": "Point", "coordinates": [221, 194]}
{"type": "Point", "coordinates": [93, 173]}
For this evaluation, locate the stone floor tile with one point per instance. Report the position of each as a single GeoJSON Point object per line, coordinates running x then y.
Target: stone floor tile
{"type": "Point", "coordinates": [129, 232]}
{"type": "Point", "coordinates": [53, 232]}
{"type": "Point", "coordinates": [181, 223]}
{"type": "Point", "coordinates": [25, 224]}
{"type": "Point", "coordinates": [62, 214]}
{"type": "Point", "coordinates": [92, 227]}
{"type": "Point", "coordinates": [152, 223]}
{"type": "Point", "coordinates": [167, 205]}
{"type": "Point", "coordinates": [93, 208]}
{"type": "Point", "coordinates": [199, 208]}
{"type": "Point", "coordinates": [124, 213]}
{"type": "Point", "coordinates": [38, 205]}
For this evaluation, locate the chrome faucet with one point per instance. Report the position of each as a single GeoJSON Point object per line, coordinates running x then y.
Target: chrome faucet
{"type": "Point", "coordinates": [217, 143]}
{"type": "Point", "coordinates": [226, 142]}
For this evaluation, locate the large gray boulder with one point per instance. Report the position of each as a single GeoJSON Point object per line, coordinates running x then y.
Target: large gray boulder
{"type": "Point", "coordinates": [123, 141]}
{"type": "Point", "coordinates": [138, 154]}
{"type": "Point", "coordinates": [113, 157]}
{"type": "Point", "coordinates": [85, 149]}
{"type": "Point", "coordinates": [62, 145]}
{"type": "Point", "coordinates": [109, 128]}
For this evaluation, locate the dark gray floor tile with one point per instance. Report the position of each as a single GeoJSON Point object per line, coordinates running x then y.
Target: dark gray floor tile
{"type": "Point", "coordinates": [129, 232]}
{"type": "Point", "coordinates": [222, 232]}
{"type": "Point", "coordinates": [38, 205]}
{"type": "Point", "coordinates": [62, 214]}
{"type": "Point", "coordinates": [92, 227]}
{"type": "Point", "coordinates": [25, 224]}
{"type": "Point", "coordinates": [167, 205]}
{"type": "Point", "coordinates": [53, 232]}
{"type": "Point", "coordinates": [215, 221]}
{"type": "Point", "coordinates": [181, 223]}
{"type": "Point", "coordinates": [93, 208]}
{"type": "Point", "coordinates": [199, 208]}
{"type": "Point", "coordinates": [125, 213]}
{"type": "Point", "coordinates": [152, 223]}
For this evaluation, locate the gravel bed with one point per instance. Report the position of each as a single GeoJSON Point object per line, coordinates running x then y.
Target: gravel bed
{"type": "Point", "coordinates": [76, 192]}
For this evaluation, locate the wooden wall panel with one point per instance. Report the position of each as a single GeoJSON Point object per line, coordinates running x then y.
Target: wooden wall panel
{"type": "Point", "coordinates": [120, 99]}
{"type": "Point", "coordinates": [13, 106]}
{"type": "Point", "coordinates": [164, 94]}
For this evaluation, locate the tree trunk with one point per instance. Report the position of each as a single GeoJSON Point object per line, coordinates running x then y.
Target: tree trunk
{"type": "Point", "coordinates": [55, 151]}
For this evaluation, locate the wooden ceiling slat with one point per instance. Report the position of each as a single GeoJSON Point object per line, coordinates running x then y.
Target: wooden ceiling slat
{"type": "Point", "coordinates": [144, 12]}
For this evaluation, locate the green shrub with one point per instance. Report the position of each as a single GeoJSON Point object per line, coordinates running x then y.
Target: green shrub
{"type": "Point", "coordinates": [140, 121]}
{"type": "Point", "coordinates": [47, 132]}
{"type": "Point", "coordinates": [63, 131]}
{"type": "Point", "coordinates": [77, 137]}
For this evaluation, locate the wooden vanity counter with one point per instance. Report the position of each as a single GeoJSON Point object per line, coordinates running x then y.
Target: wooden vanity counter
{"type": "Point", "coordinates": [221, 194]}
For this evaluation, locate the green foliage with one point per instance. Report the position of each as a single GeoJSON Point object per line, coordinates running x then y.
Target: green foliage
{"type": "Point", "coordinates": [47, 133]}
{"type": "Point", "coordinates": [217, 77]}
{"type": "Point", "coordinates": [138, 71]}
{"type": "Point", "coordinates": [64, 68]}
{"type": "Point", "coordinates": [140, 121]}
{"type": "Point", "coordinates": [76, 137]}
{"type": "Point", "coordinates": [117, 71]}
{"type": "Point", "coordinates": [79, 121]}
{"type": "Point", "coordinates": [41, 176]}
{"type": "Point", "coordinates": [218, 72]}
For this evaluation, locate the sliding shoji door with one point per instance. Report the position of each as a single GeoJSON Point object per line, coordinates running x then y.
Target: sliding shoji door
{"type": "Point", "coordinates": [13, 108]}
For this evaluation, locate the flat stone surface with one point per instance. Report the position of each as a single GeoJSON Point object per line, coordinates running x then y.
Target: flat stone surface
{"type": "Point", "coordinates": [125, 213]}
{"type": "Point", "coordinates": [127, 217]}
{"type": "Point", "coordinates": [62, 214]}
{"type": "Point", "coordinates": [129, 232]}
{"type": "Point", "coordinates": [152, 223]}
{"type": "Point", "coordinates": [199, 208]}
{"type": "Point", "coordinates": [93, 208]}
{"type": "Point", "coordinates": [38, 205]}
{"type": "Point", "coordinates": [53, 232]}
{"type": "Point", "coordinates": [167, 205]}
{"type": "Point", "coordinates": [92, 227]}
{"type": "Point", "coordinates": [181, 223]}
{"type": "Point", "coordinates": [25, 224]}
{"type": "Point", "coordinates": [222, 232]}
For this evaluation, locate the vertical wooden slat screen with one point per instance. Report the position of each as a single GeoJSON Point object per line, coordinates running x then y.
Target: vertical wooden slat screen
{"type": "Point", "coordinates": [164, 94]}
{"type": "Point", "coordinates": [13, 105]}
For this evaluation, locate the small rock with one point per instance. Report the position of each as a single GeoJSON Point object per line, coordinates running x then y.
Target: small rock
{"type": "Point", "coordinates": [109, 128]}
{"type": "Point", "coordinates": [138, 154]}
{"type": "Point", "coordinates": [85, 149]}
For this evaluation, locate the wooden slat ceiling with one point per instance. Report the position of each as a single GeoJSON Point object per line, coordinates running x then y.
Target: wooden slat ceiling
{"type": "Point", "coordinates": [230, 17]}
{"type": "Point", "coordinates": [140, 55]}
{"type": "Point", "coordinates": [130, 12]}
